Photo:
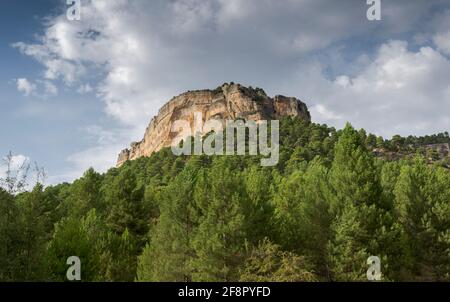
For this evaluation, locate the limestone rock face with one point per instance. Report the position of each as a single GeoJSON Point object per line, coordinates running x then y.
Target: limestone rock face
{"type": "Point", "coordinates": [228, 102]}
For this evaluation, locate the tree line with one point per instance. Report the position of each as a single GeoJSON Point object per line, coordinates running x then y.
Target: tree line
{"type": "Point", "coordinates": [317, 216]}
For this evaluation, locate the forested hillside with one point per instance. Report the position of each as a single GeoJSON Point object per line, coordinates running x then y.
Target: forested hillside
{"type": "Point", "coordinates": [318, 215]}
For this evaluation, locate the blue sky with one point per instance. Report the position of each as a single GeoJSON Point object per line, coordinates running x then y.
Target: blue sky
{"type": "Point", "coordinates": [74, 93]}
{"type": "Point", "coordinates": [46, 129]}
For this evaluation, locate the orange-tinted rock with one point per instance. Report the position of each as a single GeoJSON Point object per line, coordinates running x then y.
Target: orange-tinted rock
{"type": "Point", "coordinates": [228, 102]}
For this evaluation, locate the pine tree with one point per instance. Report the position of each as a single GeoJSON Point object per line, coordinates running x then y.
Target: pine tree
{"type": "Point", "coordinates": [315, 215]}
{"type": "Point", "coordinates": [371, 141]}
{"type": "Point", "coordinates": [32, 234]}
{"type": "Point", "coordinates": [9, 230]}
{"type": "Point", "coordinates": [116, 260]}
{"type": "Point", "coordinates": [219, 243]}
{"type": "Point", "coordinates": [355, 204]}
{"type": "Point", "coordinates": [380, 143]}
{"type": "Point", "coordinates": [287, 216]}
{"type": "Point", "coordinates": [318, 215]}
{"type": "Point", "coordinates": [75, 237]}
{"type": "Point", "coordinates": [422, 203]}
{"type": "Point", "coordinates": [169, 254]}
{"type": "Point", "coordinates": [85, 194]}
{"type": "Point", "coordinates": [268, 263]}
{"type": "Point", "coordinates": [439, 223]}
{"type": "Point", "coordinates": [258, 208]}
{"type": "Point", "coordinates": [125, 200]}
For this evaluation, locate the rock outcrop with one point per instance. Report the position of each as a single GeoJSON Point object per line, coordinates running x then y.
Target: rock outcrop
{"type": "Point", "coordinates": [228, 102]}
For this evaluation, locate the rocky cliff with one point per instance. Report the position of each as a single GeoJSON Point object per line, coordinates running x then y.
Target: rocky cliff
{"type": "Point", "coordinates": [227, 102]}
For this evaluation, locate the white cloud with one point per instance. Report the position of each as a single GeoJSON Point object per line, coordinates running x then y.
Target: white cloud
{"type": "Point", "coordinates": [101, 158]}
{"type": "Point", "coordinates": [50, 88]}
{"type": "Point", "coordinates": [442, 41]}
{"type": "Point", "coordinates": [136, 55]}
{"type": "Point", "coordinates": [191, 15]}
{"type": "Point", "coordinates": [85, 88]}
{"type": "Point", "coordinates": [324, 113]}
{"type": "Point", "coordinates": [233, 11]}
{"type": "Point", "coordinates": [149, 51]}
{"type": "Point", "coordinates": [56, 67]}
{"type": "Point", "coordinates": [440, 31]}
{"type": "Point", "coordinates": [399, 92]}
{"type": "Point", "coordinates": [42, 89]}
{"type": "Point", "coordinates": [25, 86]}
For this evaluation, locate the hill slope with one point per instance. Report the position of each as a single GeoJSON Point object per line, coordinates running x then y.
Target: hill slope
{"type": "Point", "coordinates": [318, 215]}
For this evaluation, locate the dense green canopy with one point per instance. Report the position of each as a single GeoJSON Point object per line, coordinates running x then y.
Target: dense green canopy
{"type": "Point", "coordinates": [318, 215]}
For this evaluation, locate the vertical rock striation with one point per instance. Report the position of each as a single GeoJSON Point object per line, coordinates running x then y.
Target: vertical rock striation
{"type": "Point", "coordinates": [228, 102]}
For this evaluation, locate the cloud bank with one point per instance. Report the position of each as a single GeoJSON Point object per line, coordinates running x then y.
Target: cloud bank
{"type": "Point", "coordinates": [136, 55]}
